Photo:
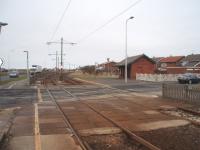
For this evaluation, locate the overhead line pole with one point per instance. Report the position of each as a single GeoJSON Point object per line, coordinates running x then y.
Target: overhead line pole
{"type": "Point", "coordinates": [27, 65]}
{"type": "Point", "coordinates": [61, 61]}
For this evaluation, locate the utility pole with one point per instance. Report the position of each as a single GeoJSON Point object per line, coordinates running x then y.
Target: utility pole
{"type": "Point", "coordinates": [61, 61]}
{"type": "Point", "coordinates": [56, 61]}
{"type": "Point", "coordinates": [27, 67]}
{"type": "Point", "coordinates": [56, 54]}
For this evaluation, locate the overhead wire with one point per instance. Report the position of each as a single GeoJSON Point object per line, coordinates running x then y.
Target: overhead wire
{"type": "Point", "coordinates": [61, 19]}
{"type": "Point", "coordinates": [107, 22]}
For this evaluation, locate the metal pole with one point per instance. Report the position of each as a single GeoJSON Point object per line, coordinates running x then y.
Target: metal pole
{"type": "Point", "coordinates": [126, 55]}
{"type": "Point", "coordinates": [61, 63]}
{"type": "Point", "coordinates": [56, 61]}
{"type": "Point", "coordinates": [27, 66]}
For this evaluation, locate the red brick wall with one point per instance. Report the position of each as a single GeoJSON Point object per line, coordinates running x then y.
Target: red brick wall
{"type": "Point", "coordinates": [143, 65]}
{"type": "Point", "coordinates": [181, 70]}
{"type": "Point", "coordinates": [171, 65]}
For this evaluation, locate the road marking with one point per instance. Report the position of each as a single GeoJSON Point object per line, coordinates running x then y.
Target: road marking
{"type": "Point", "coordinates": [39, 95]}
{"type": "Point", "coordinates": [12, 85]}
{"type": "Point", "coordinates": [37, 130]}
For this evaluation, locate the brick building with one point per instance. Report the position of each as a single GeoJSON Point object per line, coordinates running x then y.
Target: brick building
{"type": "Point", "coordinates": [136, 64]}
{"type": "Point", "coordinates": [189, 64]}
{"type": "Point", "coordinates": [108, 66]}
{"type": "Point", "coordinates": [172, 61]}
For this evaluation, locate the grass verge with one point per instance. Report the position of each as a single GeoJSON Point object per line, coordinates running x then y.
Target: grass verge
{"type": "Point", "coordinates": [12, 79]}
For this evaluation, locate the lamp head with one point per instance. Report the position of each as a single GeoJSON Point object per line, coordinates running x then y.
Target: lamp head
{"type": "Point", "coordinates": [3, 24]}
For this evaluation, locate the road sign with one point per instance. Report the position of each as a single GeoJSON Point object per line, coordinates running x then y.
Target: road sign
{"type": "Point", "coordinates": [1, 62]}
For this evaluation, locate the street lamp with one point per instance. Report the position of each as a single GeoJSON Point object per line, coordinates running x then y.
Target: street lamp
{"type": "Point", "coordinates": [126, 55]}
{"type": "Point", "coordinates": [27, 64]}
{"type": "Point", "coordinates": [2, 24]}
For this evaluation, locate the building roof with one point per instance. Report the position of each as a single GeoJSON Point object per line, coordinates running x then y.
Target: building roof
{"type": "Point", "coordinates": [133, 59]}
{"type": "Point", "coordinates": [192, 58]}
{"type": "Point", "coordinates": [171, 59]}
{"type": "Point", "coordinates": [105, 63]}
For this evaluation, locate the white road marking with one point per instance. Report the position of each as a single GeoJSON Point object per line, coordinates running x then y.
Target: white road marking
{"type": "Point", "coordinates": [11, 85]}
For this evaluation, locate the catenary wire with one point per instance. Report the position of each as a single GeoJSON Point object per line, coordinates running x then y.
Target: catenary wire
{"type": "Point", "coordinates": [107, 22]}
{"type": "Point", "coordinates": [61, 19]}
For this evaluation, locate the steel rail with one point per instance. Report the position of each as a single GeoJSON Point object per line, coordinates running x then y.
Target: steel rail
{"type": "Point", "coordinates": [127, 131]}
{"type": "Point", "coordinates": [84, 145]}
{"type": "Point", "coordinates": [189, 111]}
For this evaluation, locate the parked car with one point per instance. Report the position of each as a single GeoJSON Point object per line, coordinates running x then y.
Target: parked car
{"type": "Point", "coordinates": [14, 74]}
{"type": "Point", "coordinates": [188, 78]}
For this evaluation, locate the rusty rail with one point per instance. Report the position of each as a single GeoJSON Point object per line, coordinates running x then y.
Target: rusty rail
{"type": "Point", "coordinates": [125, 130]}
{"type": "Point", "coordinates": [189, 111]}
{"type": "Point", "coordinates": [84, 145]}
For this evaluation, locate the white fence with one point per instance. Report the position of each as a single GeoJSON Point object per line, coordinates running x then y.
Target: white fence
{"type": "Point", "coordinates": [157, 77]}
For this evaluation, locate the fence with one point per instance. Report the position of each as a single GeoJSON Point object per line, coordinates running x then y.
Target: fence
{"type": "Point", "coordinates": [182, 92]}
{"type": "Point", "coordinates": [157, 77]}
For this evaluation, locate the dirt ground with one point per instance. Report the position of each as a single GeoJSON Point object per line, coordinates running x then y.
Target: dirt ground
{"type": "Point", "coordinates": [113, 142]}
{"type": "Point", "coordinates": [178, 138]}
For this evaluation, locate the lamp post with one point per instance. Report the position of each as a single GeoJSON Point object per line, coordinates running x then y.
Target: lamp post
{"type": "Point", "coordinates": [27, 66]}
{"type": "Point", "coordinates": [126, 55]}
{"type": "Point", "coordinates": [2, 24]}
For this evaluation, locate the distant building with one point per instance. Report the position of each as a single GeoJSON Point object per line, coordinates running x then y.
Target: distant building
{"type": "Point", "coordinates": [172, 61]}
{"type": "Point", "coordinates": [192, 60]}
{"type": "Point", "coordinates": [136, 64]}
{"type": "Point", "coordinates": [108, 67]}
{"type": "Point", "coordinates": [190, 63]}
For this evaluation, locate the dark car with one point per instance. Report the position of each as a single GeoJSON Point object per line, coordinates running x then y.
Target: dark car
{"type": "Point", "coordinates": [188, 78]}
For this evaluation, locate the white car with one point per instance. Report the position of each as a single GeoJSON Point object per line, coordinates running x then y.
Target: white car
{"type": "Point", "coordinates": [13, 74]}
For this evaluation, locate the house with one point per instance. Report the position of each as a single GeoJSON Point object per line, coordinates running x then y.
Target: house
{"type": "Point", "coordinates": [136, 64]}
{"type": "Point", "coordinates": [108, 66]}
{"type": "Point", "coordinates": [172, 61]}
{"type": "Point", "coordinates": [190, 63]}
{"type": "Point", "coordinates": [192, 60]}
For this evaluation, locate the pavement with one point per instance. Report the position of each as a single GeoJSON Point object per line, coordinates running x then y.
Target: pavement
{"type": "Point", "coordinates": [6, 117]}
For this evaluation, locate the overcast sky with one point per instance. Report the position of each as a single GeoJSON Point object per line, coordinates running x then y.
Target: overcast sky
{"type": "Point", "coordinates": [160, 28]}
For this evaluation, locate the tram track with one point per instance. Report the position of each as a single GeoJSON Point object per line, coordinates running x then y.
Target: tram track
{"type": "Point", "coordinates": [86, 146]}
{"type": "Point", "coordinates": [83, 144]}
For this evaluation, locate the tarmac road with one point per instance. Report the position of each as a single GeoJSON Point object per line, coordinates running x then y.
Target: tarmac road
{"type": "Point", "coordinates": [152, 88]}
